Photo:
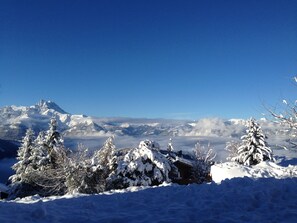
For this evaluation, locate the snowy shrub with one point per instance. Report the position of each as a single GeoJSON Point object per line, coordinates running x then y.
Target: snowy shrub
{"type": "Point", "coordinates": [142, 166]}
{"type": "Point", "coordinates": [287, 116]}
{"type": "Point", "coordinates": [90, 175]}
{"type": "Point", "coordinates": [253, 149]}
{"type": "Point", "coordinates": [77, 170]}
{"type": "Point", "coordinates": [232, 148]}
{"type": "Point", "coordinates": [83, 178]}
{"type": "Point", "coordinates": [203, 160]}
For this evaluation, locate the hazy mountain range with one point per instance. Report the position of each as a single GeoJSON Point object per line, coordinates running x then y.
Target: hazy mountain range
{"type": "Point", "coordinates": [16, 119]}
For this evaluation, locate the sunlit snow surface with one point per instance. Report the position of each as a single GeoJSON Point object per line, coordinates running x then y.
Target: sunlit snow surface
{"type": "Point", "coordinates": [236, 200]}
{"type": "Point", "coordinates": [264, 193]}
{"type": "Point", "coordinates": [256, 198]}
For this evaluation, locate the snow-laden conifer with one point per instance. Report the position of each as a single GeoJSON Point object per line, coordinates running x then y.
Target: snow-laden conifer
{"type": "Point", "coordinates": [254, 148]}
{"type": "Point", "coordinates": [103, 163]}
{"type": "Point", "coordinates": [104, 158]}
{"type": "Point", "coordinates": [47, 166]}
{"type": "Point", "coordinates": [39, 154]}
{"type": "Point", "coordinates": [23, 156]}
{"type": "Point", "coordinates": [50, 174]}
{"type": "Point", "coordinates": [54, 143]}
{"type": "Point", "coordinates": [30, 159]}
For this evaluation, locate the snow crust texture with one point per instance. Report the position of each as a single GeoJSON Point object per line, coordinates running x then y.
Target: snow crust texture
{"type": "Point", "coordinates": [235, 200]}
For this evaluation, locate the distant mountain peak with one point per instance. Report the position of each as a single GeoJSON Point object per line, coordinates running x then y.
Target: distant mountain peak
{"type": "Point", "coordinates": [43, 104]}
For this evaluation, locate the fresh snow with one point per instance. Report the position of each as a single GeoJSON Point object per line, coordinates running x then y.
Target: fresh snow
{"type": "Point", "coordinates": [140, 162]}
{"type": "Point", "coordinates": [235, 200]}
{"type": "Point", "coordinates": [262, 193]}
{"type": "Point", "coordinates": [229, 170]}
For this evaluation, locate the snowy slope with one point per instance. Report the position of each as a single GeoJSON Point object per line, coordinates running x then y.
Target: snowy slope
{"type": "Point", "coordinates": [236, 200]}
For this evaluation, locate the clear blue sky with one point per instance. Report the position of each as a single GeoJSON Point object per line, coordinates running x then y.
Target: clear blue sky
{"type": "Point", "coordinates": [141, 58]}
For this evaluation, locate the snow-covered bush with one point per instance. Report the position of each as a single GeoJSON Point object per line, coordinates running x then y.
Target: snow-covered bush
{"type": "Point", "coordinates": [203, 160]}
{"type": "Point", "coordinates": [142, 166]}
{"type": "Point", "coordinates": [90, 175]}
{"type": "Point", "coordinates": [287, 116]}
{"type": "Point", "coordinates": [82, 176]}
{"type": "Point", "coordinates": [254, 148]}
{"type": "Point", "coordinates": [232, 148]}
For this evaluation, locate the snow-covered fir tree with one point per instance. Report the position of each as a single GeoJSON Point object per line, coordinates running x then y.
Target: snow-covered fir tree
{"type": "Point", "coordinates": [54, 142]}
{"type": "Point", "coordinates": [104, 158]}
{"type": "Point", "coordinates": [23, 156]}
{"type": "Point", "coordinates": [25, 181]}
{"type": "Point", "coordinates": [39, 155]}
{"type": "Point", "coordinates": [254, 148]}
{"type": "Point", "coordinates": [47, 166]}
{"type": "Point", "coordinates": [103, 163]}
{"type": "Point", "coordinates": [53, 165]}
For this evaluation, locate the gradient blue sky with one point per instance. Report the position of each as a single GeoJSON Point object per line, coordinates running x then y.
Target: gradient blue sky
{"type": "Point", "coordinates": [149, 58]}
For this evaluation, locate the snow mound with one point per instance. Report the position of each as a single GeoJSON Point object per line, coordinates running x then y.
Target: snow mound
{"type": "Point", "coordinates": [267, 169]}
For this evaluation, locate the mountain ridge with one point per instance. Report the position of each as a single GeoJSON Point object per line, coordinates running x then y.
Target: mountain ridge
{"type": "Point", "coordinates": [16, 119]}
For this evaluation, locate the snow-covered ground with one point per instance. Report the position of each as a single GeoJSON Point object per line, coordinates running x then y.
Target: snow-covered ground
{"type": "Point", "coordinates": [263, 193]}
{"type": "Point", "coordinates": [229, 170]}
{"type": "Point", "coordinates": [236, 200]}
